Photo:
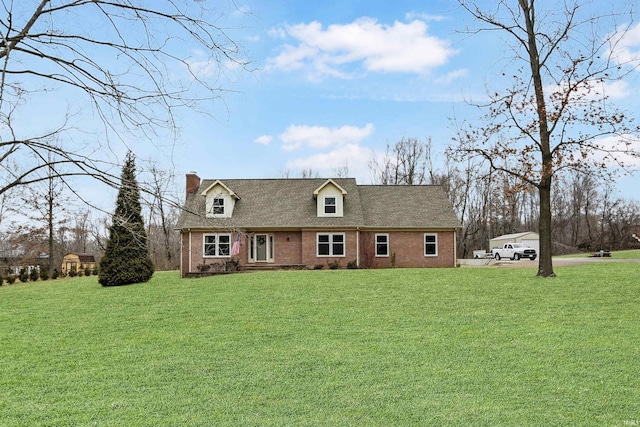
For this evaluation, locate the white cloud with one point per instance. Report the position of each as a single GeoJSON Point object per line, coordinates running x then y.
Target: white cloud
{"type": "Point", "coordinates": [318, 137]}
{"type": "Point", "coordinates": [593, 90]}
{"type": "Point", "coordinates": [423, 17]}
{"type": "Point", "coordinates": [619, 150]}
{"type": "Point", "coordinates": [355, 157]}
{"type": "Point", "coordinates": [626, 45]}
{"type": "Point", "coordinates": [453, 75]}
{"type": "Point", "coordinates": [263, 139]}
{"type": "Point", "coordinates": [374, 47]}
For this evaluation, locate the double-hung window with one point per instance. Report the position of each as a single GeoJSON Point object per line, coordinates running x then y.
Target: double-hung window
{"type": "Point", "coordinates": [330, 205]}
{"type": "Point", "coordinates": [330, 244]}
{"type": "Point", "coordinates": [430, 244]}
{"type": "Point", "coordinates": [382, 245]}
{"type": "Point", "coordinates": [217, 245]}
{"type": "Point", "coordinates": [217, 207]}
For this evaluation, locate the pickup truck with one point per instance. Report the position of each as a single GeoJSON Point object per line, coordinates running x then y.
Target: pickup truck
{"type": "Point", "coordinates": [514, 251]}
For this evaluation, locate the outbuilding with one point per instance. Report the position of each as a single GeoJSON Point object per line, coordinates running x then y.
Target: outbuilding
{"type": "Point", "coordinates": [77, 262]}
{"type": "Point", "coordinates": [528, 238]}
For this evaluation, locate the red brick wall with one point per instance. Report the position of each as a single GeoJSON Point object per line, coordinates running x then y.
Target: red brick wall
{"type": "Point", "coordinates": [309, 250]}
{"type": "Point", "coordinates": [287, 246]}
{"type": "Point", "coordinates": [197, 248]}
{"type": "Point", "coordinates": [408, 247]}
{"type": "Point", "coordinates": [299, 247]}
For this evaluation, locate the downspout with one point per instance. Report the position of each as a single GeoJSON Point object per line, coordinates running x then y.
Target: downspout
{"type": "Point", "coordinates": [181, 248]}
{"type": "Point", "coordinates": [455, 247]}
{"type": "Point", "coordinates": [190, 259]}
{"type": "Point", "coordinates": [358, 246]}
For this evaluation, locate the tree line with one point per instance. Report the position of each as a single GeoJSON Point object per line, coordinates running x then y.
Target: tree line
{"type": "Point", "coordinates": [586, 213]}
{"type": "Point", "coordinates": [43, 223]}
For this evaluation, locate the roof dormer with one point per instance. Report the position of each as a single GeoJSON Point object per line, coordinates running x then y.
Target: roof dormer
{"type": "Point", "coordinates": [330, 199]}
{"type": "Point", "coordinates": [220, 200]}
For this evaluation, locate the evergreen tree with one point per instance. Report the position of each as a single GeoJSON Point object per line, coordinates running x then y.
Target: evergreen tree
{"type": "Point", "coordinates": [126, 259]}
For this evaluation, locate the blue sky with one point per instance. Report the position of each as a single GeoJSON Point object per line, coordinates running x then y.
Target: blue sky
{"type": "Point", "coordinates": [332, 83]}
{"type": "Point", "coordinates": [336, 81]}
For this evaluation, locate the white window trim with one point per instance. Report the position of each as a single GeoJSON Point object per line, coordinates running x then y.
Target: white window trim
{"type": "Point", "coordinates": [344, 245]}
{"type": "Point", "coordinates": [217, 255]}
{"type": "Point", "coordinates": [376, 245]}
{"type": "Point", "coordinates": [424, 244]}
{"type": "Point", "coordinates": [335, 205]}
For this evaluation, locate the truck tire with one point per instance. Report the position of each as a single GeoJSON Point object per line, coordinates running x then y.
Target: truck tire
{"type": "Point", "coordinates": [497, 257]}
{"type": "Point", "coordinates": [533, 258]}
{"type": "Point", "coordinates": [516, 257]}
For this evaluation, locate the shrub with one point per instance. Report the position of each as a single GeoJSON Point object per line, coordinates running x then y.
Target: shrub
{"type": "Point", "coordinates": [73, 272]}
{"type": "Point", "coordinates": [334, 265]}
{"type": "Point", "coordinates": [23, 275]}
{"type": "Point", "coordinates": [34, 275]}
{"type": "Point", "coordinates": [203, 267]}
{"type": "Point", "coordinates": [44, 275]}
{"type": "Point", "coordinates": [1, 280]}
{"type": "Point", "coordinates": [54, 275]}
{"type": "Point", "coordinates": [87, 271]}
{"type": "Point", "coordinates": [352, 264]}
{"type": "Point", "coordinates": [11, 279]}
{"type": "Point", "coordinates": [318, 267]}
{"type": "Point", "coordinates": [95, 271]}
{"type": "Point", "coordinates": [232, 265]}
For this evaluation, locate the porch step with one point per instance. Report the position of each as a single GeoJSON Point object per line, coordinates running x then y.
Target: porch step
{"type": "Point", "coordinates": [266, 267]}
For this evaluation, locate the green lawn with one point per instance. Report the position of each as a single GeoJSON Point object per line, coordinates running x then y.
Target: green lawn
{"type": "Point", "coordinates": [326, 348]}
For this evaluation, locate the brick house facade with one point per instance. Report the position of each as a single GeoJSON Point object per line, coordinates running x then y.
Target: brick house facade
{"type": "Point", "coordinates": [304, 223]}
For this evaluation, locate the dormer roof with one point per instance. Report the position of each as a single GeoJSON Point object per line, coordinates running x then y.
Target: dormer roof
{"type": "Point", "coordinates": [222, 184]}
{"type": "Point", "coordinates": [327, 182]}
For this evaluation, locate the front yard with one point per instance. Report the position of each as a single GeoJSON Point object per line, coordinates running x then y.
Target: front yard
{"type": "Point", "coordinates": [348, 347]}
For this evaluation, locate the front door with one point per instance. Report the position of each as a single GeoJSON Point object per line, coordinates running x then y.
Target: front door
{"type": "Point", "coordinates": [261, 248]}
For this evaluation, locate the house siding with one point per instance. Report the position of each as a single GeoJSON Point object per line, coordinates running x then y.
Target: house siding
{"type": "Point", "coordinates": [287, 247]}
{"type": "Point", "coordinates": [300, 248]}
{"type": "Point", "coordinates": [309, 249]}
{"type": "Point", "coordinates": [408, 247]}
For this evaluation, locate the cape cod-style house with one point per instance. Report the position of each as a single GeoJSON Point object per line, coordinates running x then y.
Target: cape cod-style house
{"type": "Point", "coordinates": [304, 223]}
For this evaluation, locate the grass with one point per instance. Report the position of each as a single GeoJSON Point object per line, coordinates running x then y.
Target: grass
{"type": "Point", "coordinates": [350, 347]}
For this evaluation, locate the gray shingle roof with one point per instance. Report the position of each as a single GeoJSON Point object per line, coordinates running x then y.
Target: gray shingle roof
{"type": "Point", "coordinates": [289, 203]}
{"type": "Point", "coordinates": [406, 206]}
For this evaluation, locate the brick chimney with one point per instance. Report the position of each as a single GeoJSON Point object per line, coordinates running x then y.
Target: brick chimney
{"type": "Point", "coordinates": [193, 182]}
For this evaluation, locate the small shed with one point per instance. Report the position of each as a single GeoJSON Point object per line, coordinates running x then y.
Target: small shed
{"type": "Point", "coordinates": [528, 238]}
{"type": "Point", "coordinates": [77, 262]}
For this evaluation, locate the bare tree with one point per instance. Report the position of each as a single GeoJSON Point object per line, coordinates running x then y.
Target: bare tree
{"type": "Point", "coordinates": [556, 114]}
{"type": "Point", "coordinates": [404, 163]}
{"type": "Point", "coordinates": [163, 242]}
{"type": "Point", "coordinates": [131, 60]}
{"type": "Point", "coordinates": [341, 171]}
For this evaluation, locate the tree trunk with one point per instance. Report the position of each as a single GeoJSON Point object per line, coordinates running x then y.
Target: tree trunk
{"type": "Point", "coordinates": [545, 263]}
{"type": "Point", "coordinates": [50, 196]}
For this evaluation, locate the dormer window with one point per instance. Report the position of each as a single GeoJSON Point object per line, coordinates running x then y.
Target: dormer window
{"type": "Point", "coordinates": [330, 205]}
{"type": "Point", "coordinates": [220, 200]}
{"type": "Point", "coordinates": [330, 199]}
{"type": "Point", "coordinates": [218, 206]}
